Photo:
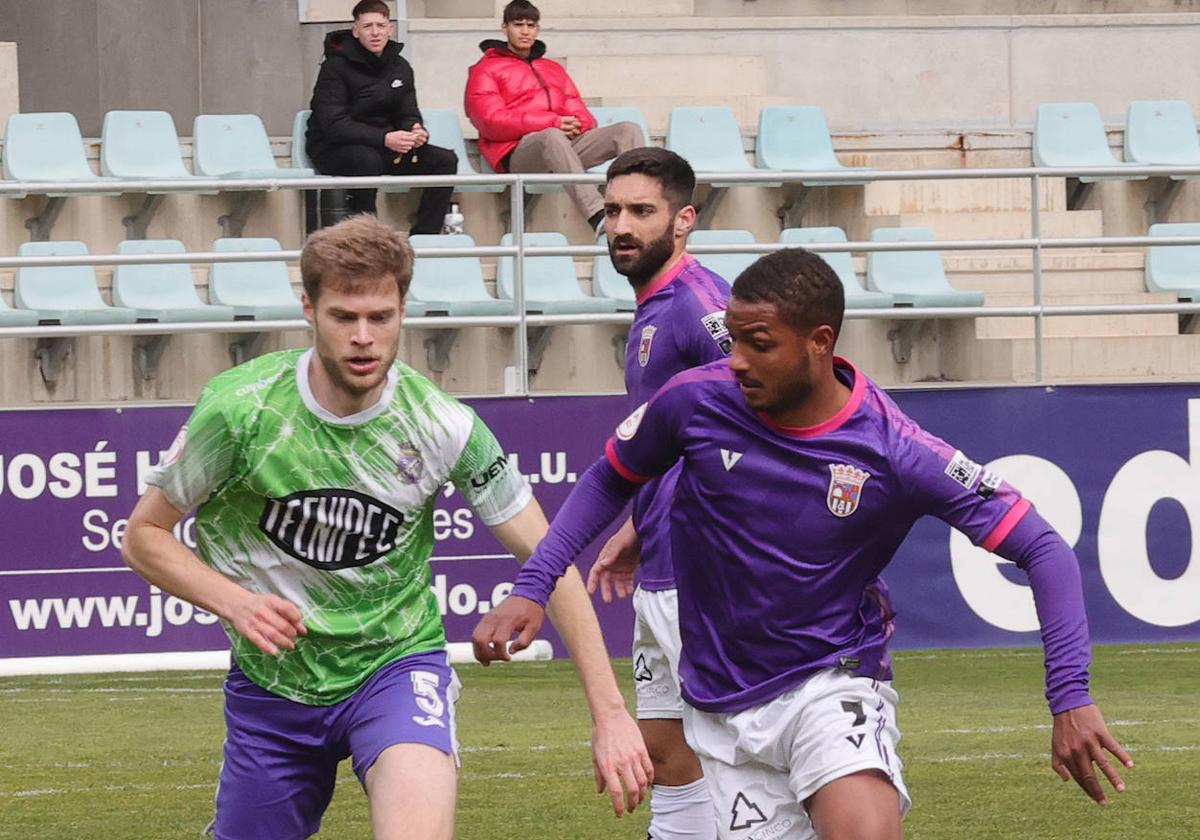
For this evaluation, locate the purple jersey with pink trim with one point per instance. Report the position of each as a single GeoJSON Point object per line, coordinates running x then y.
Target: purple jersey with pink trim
{"type": "Point", "coordinates": [779, 535]}
{"type": "Point", "coordinates": [680, 324]}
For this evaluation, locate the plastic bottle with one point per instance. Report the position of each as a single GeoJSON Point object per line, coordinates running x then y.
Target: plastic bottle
{"type": "Point", "coordinates": [453, 221]}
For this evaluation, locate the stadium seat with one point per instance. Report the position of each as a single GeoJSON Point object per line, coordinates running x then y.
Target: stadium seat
{"type": "Point", "coordinates": [728, 266]}
{"type": "Point", "coordinates": [236, 146]}
{"type": "Point", "coordinates": [914, 278]}
{"type": "Point", "coordinates": [1072, 134]}
{"type": "Point", "coordinates": [613, 114]}
{"type": "Point", "coordinates": [1174, 268]}
{"type": "Point", "coordinates": [796, 138]}
{"type": "Point", "coordinates": [446, 131]}
{"type": "Point", "coordinates": [64, 294]}
{"type": "Point", "coordinates": [257, 290]}
{"type": "Point", "coordinates": [608, 283]}
{"type": "Point", "coordinates": [46, 147]}
{"type": "Point", "coordinates": [451, 285]}
{"type": "Point", "coordinates": [10, 317]}
{"type": "Point", "coordinates": [550, 283]}
{"type": "Point", "coordinates": [300, 159]}
{"type": "Point", "coordinates": [161, 292]}
{"type": "Point", "coordinates": [708, 137]}
{"type": "Point", "coordinates": [842, 264]}
{"type": "Point", "coordinates": [1161, 132]}
{"type": "Point", "coordinates": [141, 144]}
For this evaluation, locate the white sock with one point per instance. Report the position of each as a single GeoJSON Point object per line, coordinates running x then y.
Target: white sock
{"type": "Point", "coordinates": [683, 811]}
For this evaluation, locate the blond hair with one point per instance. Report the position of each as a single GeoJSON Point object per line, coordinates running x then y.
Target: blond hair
{"type": "Point", "coordinates": [353, 254]}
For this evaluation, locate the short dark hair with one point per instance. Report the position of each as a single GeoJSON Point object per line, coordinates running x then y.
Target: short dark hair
{"type": "Point", "coordinates": [366, 7]}
{"type": "Point", "coordinates": [672, 172]}
{"type": "Point", "coordinates": [803, 288]}
{"type": "Point", "coordinates": [521, 10]}
{"type": "Point", "coordinates": [354, 254]}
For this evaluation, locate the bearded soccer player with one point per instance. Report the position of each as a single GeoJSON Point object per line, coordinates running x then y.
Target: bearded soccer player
{"type": "Point", "coordinates": [314, 474]}
{"type": "Point", "coordinates": [800, 479]}
{"type": "Point", "coordinates": [679, 324]}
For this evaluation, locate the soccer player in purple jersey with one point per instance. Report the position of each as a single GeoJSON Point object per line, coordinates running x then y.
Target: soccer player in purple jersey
{"type": "Point", "coordinates": [800, 479]}
{"type": "Point", "coordinates": [679, 324]}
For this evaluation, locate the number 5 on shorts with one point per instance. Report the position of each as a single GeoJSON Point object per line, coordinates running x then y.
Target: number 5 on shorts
{"type": "Point", "coordinates": [425, 691]}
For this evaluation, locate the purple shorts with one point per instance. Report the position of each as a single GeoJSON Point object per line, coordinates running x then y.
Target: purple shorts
{"type": "Point", "coordinates": [281, 757]}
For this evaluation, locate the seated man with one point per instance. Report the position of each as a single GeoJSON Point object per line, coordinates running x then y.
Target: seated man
{"type": "Point", "coordinates": [365, 119]}
{"type": "Point", "coordinates": [530, 116]}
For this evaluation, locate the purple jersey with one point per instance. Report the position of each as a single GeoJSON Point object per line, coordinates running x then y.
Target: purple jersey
{"type": "Point", "coordinates": [680, 324]}
{"type": "Point", "coordinates": [780, 534]}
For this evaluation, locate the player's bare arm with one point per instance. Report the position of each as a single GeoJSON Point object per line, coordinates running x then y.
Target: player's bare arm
{"type": "Point", "coordinates": [151, 550]}
{"type": "Point", "coordinates": [620, 761]}
{"type": "Point", "coordinates": [614, 567]}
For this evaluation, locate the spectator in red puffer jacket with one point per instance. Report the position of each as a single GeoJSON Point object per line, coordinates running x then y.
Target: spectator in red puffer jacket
{"type": "Point", "coordinates": [530, 116]}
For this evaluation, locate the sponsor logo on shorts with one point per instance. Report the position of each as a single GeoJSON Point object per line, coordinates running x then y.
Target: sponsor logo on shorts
{"type": "Point", "coordinates": [744, 813]}
{"type": "Point", "coordinates": [331, 529]}
{"type": "Point", "coordinates": [644, 345]}
{"type": "Point", "coordinates": [641, 671]}
{"type": "Point", "coordinates": [845, 489]}
{"type": "Point", "coordinates": [963, 470]}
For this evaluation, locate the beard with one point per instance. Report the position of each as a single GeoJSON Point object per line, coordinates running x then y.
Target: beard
{"type": "Point", "coordinates": [643, 265]}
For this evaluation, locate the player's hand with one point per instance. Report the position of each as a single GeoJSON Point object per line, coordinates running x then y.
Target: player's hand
{"type": "Point", "coordinates": [614, 568]}
{"type": "Point", "coordinates": [570, 126]}
{"type": "Point", "coordinates": [1080, 739]}
{"type": "Point", "coordinates": [514, 615]}
{"type": "Point", "coordinates": [620, 761]}
{"type": "Point", "coordinates": [399, 141]}
{"type": "Point", "coordinates": [420, 135]}
{"type": "Point", "coordinates": [268, 621]}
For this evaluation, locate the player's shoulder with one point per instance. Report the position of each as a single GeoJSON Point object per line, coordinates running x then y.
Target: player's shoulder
{"type": "Point", "coordinates": [701, 287]}
{"type": "Point", "coordinates": [254, 377]}
{"type": "Point", "coordinates": [699, 383]}
{"type": "Point", "coordinates": [426, 405]}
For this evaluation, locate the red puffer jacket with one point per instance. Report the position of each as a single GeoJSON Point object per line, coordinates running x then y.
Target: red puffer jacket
{"type": "Point", "coordinates": [509, 96]}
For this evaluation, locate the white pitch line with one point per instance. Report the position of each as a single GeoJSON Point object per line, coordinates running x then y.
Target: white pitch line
{"type": "Point", "coordinates": [113, 690]}
{"type": "Point", "coordinates": [1033, 727]}
{"type": "Point", "coordinates": [993, 756]}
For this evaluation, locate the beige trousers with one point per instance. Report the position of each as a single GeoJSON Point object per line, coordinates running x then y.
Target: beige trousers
{"type": "Point", "coordinates": [550, 150]}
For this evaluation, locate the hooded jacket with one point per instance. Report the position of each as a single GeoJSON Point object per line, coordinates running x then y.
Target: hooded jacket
{"type": "Point", "coordinates": [508, 97]}
{"type": "Point", "coordinates": [359, 96]}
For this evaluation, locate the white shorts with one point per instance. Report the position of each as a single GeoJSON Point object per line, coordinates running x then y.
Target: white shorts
{"type": "Point", "coordinates": [764, 762]}
{"type": "Point", "coordinates": [656, 648]}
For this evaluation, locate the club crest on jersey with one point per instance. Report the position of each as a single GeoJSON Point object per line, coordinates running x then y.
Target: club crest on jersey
{"type": "Point", "coordinates": [409, 465]}
{"type": "Point", "coordinates": [845, 488]}
{"type": "Point", "coordinates": [629, 425]}
{"type": "Point", "coordinates": [644, 345]}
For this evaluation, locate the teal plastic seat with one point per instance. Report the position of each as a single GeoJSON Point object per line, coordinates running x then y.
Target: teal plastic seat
{"type": "Point", "coordinates": [842, 264]}
{"type": "Point", "coordinates": [729, 266]}
{"type": "Point", "coordinates": [47, 147]}
{"type": "Point", "coordinates": [710, 140]}
{"type": "Point", "coordinates": [1162, 132]}
{"type": "Point", "coordinates": [450, 285]}
{"type": "Point", "coordinates": [613, 114]}
{"type": "Point", "coordinates": [607, 282]}
{"type": "Point", "coordinates": [1072, 134]}
{"type": "Point", "coordinates": [141, 144]}
{"type": "Point", "coordinates": [797, 139]}
{"type": "Point", "coordinates": [10, 317]}
{"type": "Point", "coordinates": [446, 131]}
{"type": "Point", "coordinates": [236, 146]}
{"type": "Point", "coordinates": [261, 291]}
{"type": "Point", "coordinates": [1174, 268]}
{"type": "Point", "coordinates": [914, 278]}
{"type": "Point", "coordinates": [300, 159]}
{"type": "Point", "coordinates": [64, 294]}
{"type": "Point", "coordinates": [161, 292]}
{"type": "Point", "coordinates": [550, 283]}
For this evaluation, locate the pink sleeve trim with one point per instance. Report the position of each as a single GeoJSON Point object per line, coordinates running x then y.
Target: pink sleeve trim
{"type": "Point", "coordinates": [610, 452]}
{"type": "Point", "coordinates": [1015, 514]}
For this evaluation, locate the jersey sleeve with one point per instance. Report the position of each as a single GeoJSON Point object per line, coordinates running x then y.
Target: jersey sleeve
{"type": "Point", "coordinates": [649, 441]}
{"type": "Point", "coordinates": [487, 479]}
{"type": "Point", "coordinates": [944, 482]}
{"type": "Point", "coordinates": [201, 458]}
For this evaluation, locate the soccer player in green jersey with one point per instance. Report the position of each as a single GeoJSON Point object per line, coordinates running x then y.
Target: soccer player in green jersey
{"type": "Point", "coordinates": [313, 474]}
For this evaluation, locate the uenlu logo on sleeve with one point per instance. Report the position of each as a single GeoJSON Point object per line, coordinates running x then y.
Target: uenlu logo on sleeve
{"type": "Point", "coordinates": [845, 488]}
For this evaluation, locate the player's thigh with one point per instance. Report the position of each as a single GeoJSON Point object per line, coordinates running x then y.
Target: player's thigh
{"type": "Point", "coordinates": [656, 651]}
{"type": "Point", "coordinates": [861, 806]}
{"type": "Point", "coordinates": [753, 800]}
{"type": "Point", "coordinates": [412, 789]}
{"type": "Point", "coordinates": [674, 762]}
{"type": "Point", "coordinates": [846, 726]}
{"type": "Point", "coordinates": [277, 772]}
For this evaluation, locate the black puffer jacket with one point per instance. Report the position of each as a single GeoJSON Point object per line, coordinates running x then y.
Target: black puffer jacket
{"type": "Point", "coordinates": [359, 96]}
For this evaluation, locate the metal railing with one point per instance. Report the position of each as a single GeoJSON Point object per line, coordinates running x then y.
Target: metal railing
{"type": "Point", "coordinates": [521, 321]}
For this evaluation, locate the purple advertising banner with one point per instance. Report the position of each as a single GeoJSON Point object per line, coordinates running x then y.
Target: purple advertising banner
{"type": "Point", "coordinates": [1115, 469]}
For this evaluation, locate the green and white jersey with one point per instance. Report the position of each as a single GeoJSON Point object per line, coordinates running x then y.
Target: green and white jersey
{"type": "Point", "coordinates": [333, 513]}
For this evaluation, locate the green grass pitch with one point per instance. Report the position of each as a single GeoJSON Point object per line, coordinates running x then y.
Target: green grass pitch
{"type": "Point", "coordinates": [135, 755]}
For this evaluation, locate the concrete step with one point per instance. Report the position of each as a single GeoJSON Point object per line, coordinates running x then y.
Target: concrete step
{"type": "Point", "coordinates": [967, 196]}
{"type": "Point", "coordinates": [1105, 358]}
{"type": "Point", "coordinates": [1000, 225]}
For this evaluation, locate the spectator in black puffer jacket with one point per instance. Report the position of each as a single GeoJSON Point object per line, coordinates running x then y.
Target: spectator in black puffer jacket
{"type": "Point", "coordinates": [365, 119]}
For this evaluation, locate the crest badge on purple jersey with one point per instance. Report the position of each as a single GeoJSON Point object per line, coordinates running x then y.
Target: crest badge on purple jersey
{"type": "Point", "coordinates": [644, 345]}
{"type": "Point", "coordinates": [845, 488]}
